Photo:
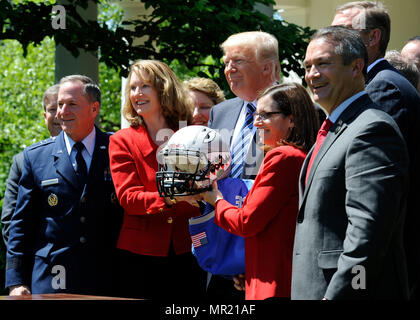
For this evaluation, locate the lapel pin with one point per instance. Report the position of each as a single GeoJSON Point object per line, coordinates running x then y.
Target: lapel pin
{"type": "Point", "coordinates": [114, 198]}
{"type": "Point", "coordinates": [339, 125]}
{"type": "Point", "coordinates": [52, 200]}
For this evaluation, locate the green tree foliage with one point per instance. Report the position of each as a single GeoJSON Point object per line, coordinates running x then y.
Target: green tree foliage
{"type": "Point", "coordinates": [186, 31]}
{"type": "Point", "coordinates": [194, 41]}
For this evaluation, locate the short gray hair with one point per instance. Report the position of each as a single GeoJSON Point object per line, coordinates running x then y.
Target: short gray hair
{"type": "Point", "coordinates": [407, 68]}
{"type": "Point", "coordinates": [90, 88]}
{"type": "Point", "coordinates": [374, 15]}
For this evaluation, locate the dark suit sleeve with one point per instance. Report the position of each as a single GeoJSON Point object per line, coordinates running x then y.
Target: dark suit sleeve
{"type": "Point", "coordinates": [19, 252]}
{"type": "Point", "coordinates": [385, 90]}
{"type": "Point", "coordinates": [11, 194]}
{"type": "Point", "coordinates": [376, 181]}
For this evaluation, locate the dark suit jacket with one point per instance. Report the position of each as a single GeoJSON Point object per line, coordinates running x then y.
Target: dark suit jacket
{"type": "Point", "coordinates": [394, 94]}
{"type": "Point", "coordinates": [62, 238]}
{"type": "Point", "coordinates": [351, 211]}
{"type": "Point", "coordinates": [11, 193]}
{"type": "Point", "coordinates": [223, 117]}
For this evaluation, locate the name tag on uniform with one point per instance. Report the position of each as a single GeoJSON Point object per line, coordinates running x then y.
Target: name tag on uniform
{"type": "Point", "coordinates": [49, 182]}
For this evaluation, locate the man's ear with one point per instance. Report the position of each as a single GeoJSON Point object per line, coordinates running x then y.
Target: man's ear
{"type": "Point", "coordinates": [357, 67]}
{"type": "Point", "coordinates": [374, 37]}
{"type": "Point", "coordinates": [95, 107]}
{"type": "Point", "coordinates": [268, 67]}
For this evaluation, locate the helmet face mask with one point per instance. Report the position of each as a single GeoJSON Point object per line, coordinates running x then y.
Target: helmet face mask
{"type": "Point", "coordinates": [194, 157]}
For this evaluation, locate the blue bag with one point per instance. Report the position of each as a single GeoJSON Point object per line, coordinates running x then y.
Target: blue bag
{"type": "Point", "coordinates": [217, 250]}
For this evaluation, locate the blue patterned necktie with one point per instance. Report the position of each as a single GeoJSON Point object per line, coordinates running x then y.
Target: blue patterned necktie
{"type": "Point", "coordinates": [240, 146]}
{"type": "Point", "coordinates": [81, 169]}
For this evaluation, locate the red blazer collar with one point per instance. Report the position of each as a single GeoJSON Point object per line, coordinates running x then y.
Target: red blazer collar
{"type": "Point", "coordinates": [147, 146]}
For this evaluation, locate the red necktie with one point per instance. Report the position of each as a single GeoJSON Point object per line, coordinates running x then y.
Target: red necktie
{"type": "Point", "coordinates": [322, 133]}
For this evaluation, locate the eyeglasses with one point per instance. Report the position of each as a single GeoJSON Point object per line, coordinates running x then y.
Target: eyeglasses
{"type": "Point", "coordinates": [266, 115]}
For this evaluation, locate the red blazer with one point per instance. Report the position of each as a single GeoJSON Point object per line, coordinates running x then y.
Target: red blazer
{"type": "Point", "coordinates": [267, 220]}
{"type": "Point", "coordinates": [149, 225]}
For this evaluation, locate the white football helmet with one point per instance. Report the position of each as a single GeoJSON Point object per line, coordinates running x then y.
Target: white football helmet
{"type": "Point", "coordinates": [193, 158]}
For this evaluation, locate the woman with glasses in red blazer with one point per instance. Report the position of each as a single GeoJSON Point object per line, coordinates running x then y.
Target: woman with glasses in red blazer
{"type": "Point", "coordinates": [288, 125]}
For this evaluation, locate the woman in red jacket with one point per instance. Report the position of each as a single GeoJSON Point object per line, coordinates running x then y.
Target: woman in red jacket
{"type": "Point", "coordinates": [288, 126]}
{"type": "Point", "coordinates": [156, 259]}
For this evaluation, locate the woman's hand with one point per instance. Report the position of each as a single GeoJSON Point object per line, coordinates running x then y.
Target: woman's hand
{"type": "Point", "coordinates": [169, 201]}
{"type": "Point", "coordinates": [213, 195]}
{"type": "Point", "coordinates": [192, 199]}
{"type": "Point", "coordinates": [239, 282]}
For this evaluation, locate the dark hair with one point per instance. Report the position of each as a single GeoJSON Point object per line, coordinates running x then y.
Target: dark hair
{"type": "Point", "coordinates": [347, 42]}
{"type": "Point", "coordinates": [90, 88]}
{"type": "Point", "coordinates": [293, 99]}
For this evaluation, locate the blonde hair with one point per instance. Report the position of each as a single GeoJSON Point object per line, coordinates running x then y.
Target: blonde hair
{"type": "Point", "coordinates": [176, 103]}
{"type": "Point", "coordinates": [206, 86]}
{"type": "Point", "coordinates": [265, 45]}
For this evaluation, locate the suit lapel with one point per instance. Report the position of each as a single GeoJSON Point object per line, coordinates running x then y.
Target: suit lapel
{"type": "Point", "coordinates": [336, 130]}
{"type": "Point", "coordinates": [231, 115]}
{"type": "Point", "coordinates": [62, 161]}
{"type": "Point", "coordinates": [302, 176]}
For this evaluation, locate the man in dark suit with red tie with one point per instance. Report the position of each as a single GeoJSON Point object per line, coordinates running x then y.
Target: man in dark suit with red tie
{"type": "Point", "coordinates": [64, 230]}
{"type": "Point", "coordinates": [395, 95]}
{"type": "Point", "coordinates": [348, 241]}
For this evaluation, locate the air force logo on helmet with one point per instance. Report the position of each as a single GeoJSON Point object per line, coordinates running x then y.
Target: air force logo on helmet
{"type": "Point", "coordinates": [193, 158]}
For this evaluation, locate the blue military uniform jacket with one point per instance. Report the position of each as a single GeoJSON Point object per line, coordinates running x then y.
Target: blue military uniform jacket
{"type": "Point", "coordinates": [63, 237]}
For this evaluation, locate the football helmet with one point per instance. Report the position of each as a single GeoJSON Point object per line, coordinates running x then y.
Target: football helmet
{"type": "Point", "coordinates": [193, 158]}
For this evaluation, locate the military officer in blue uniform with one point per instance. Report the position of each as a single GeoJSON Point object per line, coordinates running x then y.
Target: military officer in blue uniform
{"type": "Point", "coordinates": [64, 230]}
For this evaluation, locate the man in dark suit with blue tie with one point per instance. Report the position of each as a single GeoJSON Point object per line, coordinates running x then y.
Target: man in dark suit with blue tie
{"type": "Point", "coordinates": [63, 232]}
{"type": "Point", "coordinates": [395, 95]}
{"type": "Point", "coordinates": [251, 65]}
